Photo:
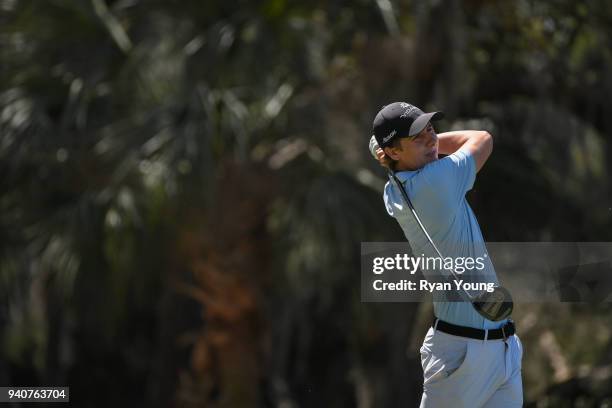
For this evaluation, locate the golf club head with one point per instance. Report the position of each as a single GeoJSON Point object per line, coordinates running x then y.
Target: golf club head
{"type": "Point", "coordinates": [496, 305]}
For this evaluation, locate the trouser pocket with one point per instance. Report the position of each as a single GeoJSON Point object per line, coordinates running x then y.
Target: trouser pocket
{"type": "Point", "coordinates": [444, 358]}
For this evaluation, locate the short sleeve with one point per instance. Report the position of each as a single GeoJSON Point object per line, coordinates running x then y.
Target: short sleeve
{"type": "Point", "coordinates": [452, 176]}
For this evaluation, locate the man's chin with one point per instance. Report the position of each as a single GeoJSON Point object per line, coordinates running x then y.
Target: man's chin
{"type": "Point", "coordinates": [431, 158]}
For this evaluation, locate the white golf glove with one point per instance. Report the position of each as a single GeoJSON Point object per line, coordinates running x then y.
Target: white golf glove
{"type": "Point", "coordinates": [373, 147]}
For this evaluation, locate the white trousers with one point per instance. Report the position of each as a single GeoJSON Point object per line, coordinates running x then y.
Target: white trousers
{"type": "Point", "coordinates": [461, 372]}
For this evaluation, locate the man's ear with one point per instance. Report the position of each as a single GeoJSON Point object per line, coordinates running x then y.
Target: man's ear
{"type": "Point", "coordinates": [391, 152]}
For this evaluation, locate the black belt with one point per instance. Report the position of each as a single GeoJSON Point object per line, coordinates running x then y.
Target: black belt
{"type": "Point", "coordinates": [503, 332]}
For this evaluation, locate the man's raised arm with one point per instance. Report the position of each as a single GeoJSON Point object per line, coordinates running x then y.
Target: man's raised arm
{"type": "Point", "coordinates": [478, 142]}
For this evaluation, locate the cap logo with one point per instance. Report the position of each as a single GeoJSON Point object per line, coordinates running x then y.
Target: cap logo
{"type": "Point", "coordinates": [408, 111]}
{"type": "Point", "coordinates": [389, 136]}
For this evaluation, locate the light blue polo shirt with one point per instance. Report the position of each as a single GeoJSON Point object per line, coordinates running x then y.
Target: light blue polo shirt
{"type": "Point", "coordinates": [437, 192]}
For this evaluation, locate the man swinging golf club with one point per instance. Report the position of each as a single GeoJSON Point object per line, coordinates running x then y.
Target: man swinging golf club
{"type": "Point", "coordinates": [471, 356]}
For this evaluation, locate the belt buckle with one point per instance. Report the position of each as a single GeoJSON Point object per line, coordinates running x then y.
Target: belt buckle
{"type": "Point", "coordinates": [504, 332]}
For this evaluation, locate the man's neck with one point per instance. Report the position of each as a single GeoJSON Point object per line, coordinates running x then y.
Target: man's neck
{"type": "Point", "coordinates": [404, 167]}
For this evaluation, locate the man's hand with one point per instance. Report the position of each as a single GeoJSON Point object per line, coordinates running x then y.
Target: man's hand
{"type": "Point", "coordinates": [377, 152]}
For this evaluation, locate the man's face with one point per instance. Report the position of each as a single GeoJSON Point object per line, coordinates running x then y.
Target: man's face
{"type": "Point", "coordinates": [417, 151]}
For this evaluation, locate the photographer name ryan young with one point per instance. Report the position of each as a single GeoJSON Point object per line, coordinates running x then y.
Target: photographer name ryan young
{"type": "Point", "coordinates": [424, 285]}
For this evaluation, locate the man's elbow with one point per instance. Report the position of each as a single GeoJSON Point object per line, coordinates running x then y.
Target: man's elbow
{"type": "Point", "coordinates": [482, 148]}
{"type": "Point", "coordinates": [487, 140]}
{"type": "Point", "coordinates": [486, 136]}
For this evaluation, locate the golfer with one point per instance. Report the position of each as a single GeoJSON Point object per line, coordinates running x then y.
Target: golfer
{"type": "Point", "coordinates": [468, 360]}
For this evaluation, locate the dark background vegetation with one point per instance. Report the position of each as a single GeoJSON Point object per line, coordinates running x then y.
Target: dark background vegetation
{"type": "Point", "coordinates": [184, 186]}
